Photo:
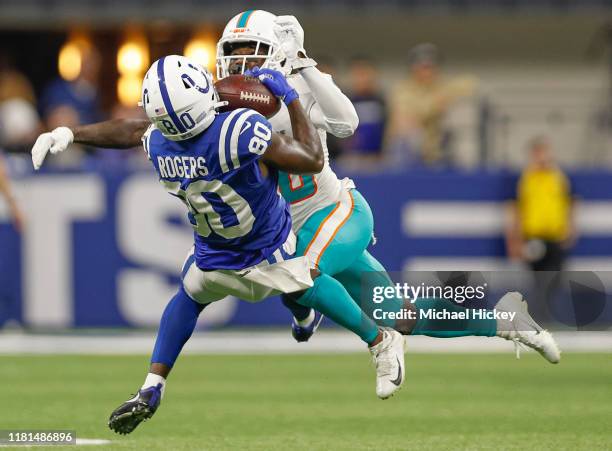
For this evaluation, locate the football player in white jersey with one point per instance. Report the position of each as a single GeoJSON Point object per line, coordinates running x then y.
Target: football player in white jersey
{"type": "Point", "coordinates": [332, 221]}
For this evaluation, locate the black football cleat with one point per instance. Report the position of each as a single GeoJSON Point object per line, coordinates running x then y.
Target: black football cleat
{"type": "Point", "coordinates": [132, 412]}
{"type": "Point", "coordinates": [303, 333]}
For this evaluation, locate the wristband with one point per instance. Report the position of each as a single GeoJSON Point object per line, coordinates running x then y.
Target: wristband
{"type": "Point", "coordinates": [290, 97]}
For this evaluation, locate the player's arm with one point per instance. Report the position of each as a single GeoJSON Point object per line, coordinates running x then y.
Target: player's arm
{"type": "Point", "coordinates": [333, 110]}
{"type": "Point", "coordinates": [116, 133]}
{"type": "Point", "coordinates": [302, 154]}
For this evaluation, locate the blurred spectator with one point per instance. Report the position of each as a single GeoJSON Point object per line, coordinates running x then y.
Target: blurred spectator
{"type": "Point", "coordinates": [74, 102]}
{"type": "Point", "coordinates": [7, 194]}
{"type": "Point", "coordinates": [367, 142]}
{"type": "Point", "coordinates": [19, 122]}
{"type": "Point", "coordinates": [541, 224]}
{"type": "Point", "coordinates": [70, 103]}
{"type": "Point", "coordinates": [419, 105]}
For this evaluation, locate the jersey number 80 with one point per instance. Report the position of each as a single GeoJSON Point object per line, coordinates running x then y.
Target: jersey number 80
{"type": "Point", "coordinates": [206, 218]}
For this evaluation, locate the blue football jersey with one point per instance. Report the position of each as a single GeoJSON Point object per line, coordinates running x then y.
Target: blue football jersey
{"type": "Point", "coordinates": [238, 216]}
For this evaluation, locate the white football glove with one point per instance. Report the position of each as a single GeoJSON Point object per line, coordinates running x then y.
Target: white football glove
{"type": "Point", "coordinates": [290, 34]}
{"type": "Point", "coordinates": [56, 141]}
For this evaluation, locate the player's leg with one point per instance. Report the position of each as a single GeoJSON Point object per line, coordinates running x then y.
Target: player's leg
{"type": "Point", "coordinates": [178, 323]}
{"type": "Point", "coordinates": [366, 273]}
{"type": "Point", "coordinates": [329, 297]}
{"type": "Point", "coordinates": [331, 238]}
{"type": "Point", "coordinates": [176, 326]}
{"type": "Point", "coordinates": [310, 287]}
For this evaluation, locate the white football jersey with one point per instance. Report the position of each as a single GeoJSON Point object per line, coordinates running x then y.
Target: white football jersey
{"type": "Point", "coordinates": [307, 194]}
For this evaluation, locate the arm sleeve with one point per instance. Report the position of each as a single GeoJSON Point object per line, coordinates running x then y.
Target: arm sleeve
{"type": "Point", "coordinates": [333, 110]}
{"type": "Point", "coordinates": [250, 137]}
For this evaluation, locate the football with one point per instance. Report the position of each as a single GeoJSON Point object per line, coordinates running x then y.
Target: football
{"type": "Point", "coordinates": [243, 91]}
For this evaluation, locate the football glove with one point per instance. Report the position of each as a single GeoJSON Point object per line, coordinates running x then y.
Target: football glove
{"type": "Point", "coordinates": [56, 141]}
{"type": "Point", "coordinates": [275, 82]}
{"type": "Point", "coordinates": [290, 34]}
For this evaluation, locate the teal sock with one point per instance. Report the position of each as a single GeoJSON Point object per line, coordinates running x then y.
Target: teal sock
{"type": "Point", "coordinates": [329, 297]}
{"type": "Point", "coordinates": [449, 328]}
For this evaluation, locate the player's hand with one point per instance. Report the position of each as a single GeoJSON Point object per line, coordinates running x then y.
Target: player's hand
{"type": "Point", "coordinates": [290, 34]}
{"type": "Point", "coordinates": [275, 82]}
{"type": "Point", "coordinates": [56, 141]}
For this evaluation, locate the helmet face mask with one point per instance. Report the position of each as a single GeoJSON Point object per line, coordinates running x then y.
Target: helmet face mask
{"type": "Point", "coordinates": [254, 30]}
{"type": "Point", "coordinates": [242, 56]}
{"type": "Point", "coordinates": [179, 97]}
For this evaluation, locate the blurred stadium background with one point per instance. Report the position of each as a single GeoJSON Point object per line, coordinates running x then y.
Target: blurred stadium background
{"type": "Point", "coordinates": [100, 241]}
{"type": "Point", "coordinates": [100, 245]}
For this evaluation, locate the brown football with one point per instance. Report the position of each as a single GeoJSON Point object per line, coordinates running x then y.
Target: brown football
{"type": "Point", "coordinates": [243, 91]}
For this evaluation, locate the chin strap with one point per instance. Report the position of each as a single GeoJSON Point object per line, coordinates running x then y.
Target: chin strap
{"type": "Point", "coordinates": [219, 104]}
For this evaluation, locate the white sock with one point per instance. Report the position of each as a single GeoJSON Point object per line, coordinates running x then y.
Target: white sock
{"type": "Point", "coordinates": [152, 380]}
{"type": "Point", "coordinates": [308, 321]}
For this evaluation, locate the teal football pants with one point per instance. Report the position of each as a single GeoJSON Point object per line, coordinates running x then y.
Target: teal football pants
{"type": "Point", "coordinates": [336, 238]}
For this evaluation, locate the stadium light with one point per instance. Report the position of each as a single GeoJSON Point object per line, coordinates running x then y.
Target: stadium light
{"type": "Point", "coordinates": [128, 89]}
{"type": "Point", "coordinates": [132, 62]}
{"type": "Point", "coordinates": [202, 49]}
{"type": "Point", "coordinates": [70, 56]}
{"type": "Point", "coordinates": [133, 55]}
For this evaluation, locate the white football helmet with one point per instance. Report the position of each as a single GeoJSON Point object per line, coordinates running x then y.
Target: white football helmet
{"type": "Point", "coordinates": [179, 97]}
{"type": "Point", "coordinates": [253, 26]}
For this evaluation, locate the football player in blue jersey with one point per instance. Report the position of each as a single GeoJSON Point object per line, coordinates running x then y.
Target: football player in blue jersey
{"type": "Point", "coordinates": [224, 168]}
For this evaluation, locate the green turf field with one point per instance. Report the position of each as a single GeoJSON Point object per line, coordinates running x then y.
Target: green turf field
{"type": "Point", "coordinates": [322, 402]}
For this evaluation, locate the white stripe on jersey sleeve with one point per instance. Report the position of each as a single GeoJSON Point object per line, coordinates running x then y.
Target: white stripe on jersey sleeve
{"type": "Point", "coordinates": [146, 138]}
{"type": "Point", "coordinates": [224, 128]}
{"type": "Point", "coordinates": [278, 256]}
{"type": "Point", "coordinates": [236, 134]}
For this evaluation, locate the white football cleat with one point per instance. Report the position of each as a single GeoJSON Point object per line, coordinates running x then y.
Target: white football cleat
{"type": "Point", "coordinates": [524, 330]}
{"type": "Point", "coordinates": [388, 356]}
